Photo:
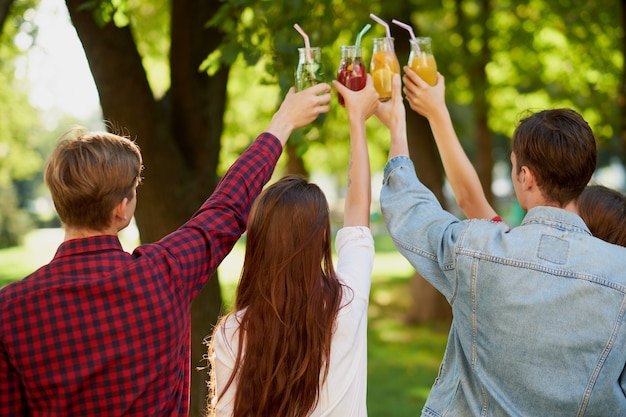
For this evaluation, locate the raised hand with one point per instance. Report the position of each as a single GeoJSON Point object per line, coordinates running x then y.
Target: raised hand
{"type": "Point", "coordinates": [362, 104]}
{"type": "Point", "coordinates": [299, 109]}
{"type": "Point", "coordinates": [421, 96]}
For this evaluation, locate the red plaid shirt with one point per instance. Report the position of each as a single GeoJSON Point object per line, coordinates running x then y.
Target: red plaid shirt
{"type": "Point", "coordinates": [101, 332]}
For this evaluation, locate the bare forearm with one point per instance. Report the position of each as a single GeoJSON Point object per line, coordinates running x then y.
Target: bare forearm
{"type": "Point", "coordinates": [359, 193]}
{"type": "Point", "coordinates": [463, 178]}
{"type": "Point", "coordinates": [399, 145]}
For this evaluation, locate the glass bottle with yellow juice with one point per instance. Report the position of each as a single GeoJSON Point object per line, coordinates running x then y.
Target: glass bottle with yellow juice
{"type": "Point", "coordinates": [422, 60]}
{"type": "Point", "coordinates": [383, 66]}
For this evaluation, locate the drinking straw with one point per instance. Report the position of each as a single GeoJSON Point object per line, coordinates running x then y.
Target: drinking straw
{"type": "Point", "coordinates": [405, 26]}
{"type": "Point", "coordinates": [307, 45]}
{"type": "Point", "coordinates": [361, 33]}
{"type": "Point", "coordinates": [409, 28]}
{"type": "Point", "coordinates": [382, 22]}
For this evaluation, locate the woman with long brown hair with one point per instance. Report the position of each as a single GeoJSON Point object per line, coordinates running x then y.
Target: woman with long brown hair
{"type": "Point", "coordinates": [296, 343]}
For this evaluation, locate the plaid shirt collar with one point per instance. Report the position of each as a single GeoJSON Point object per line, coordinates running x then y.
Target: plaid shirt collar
{"type": "Point", "coordinates": [81, 246]}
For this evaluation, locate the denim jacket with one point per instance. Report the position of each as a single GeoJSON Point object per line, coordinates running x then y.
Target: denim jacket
{"type": "Point", "coordinates": [538, 327]}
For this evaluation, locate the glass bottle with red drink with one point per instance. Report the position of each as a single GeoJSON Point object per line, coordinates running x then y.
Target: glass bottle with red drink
{"type": "Point", "coordinates": [351, 72]}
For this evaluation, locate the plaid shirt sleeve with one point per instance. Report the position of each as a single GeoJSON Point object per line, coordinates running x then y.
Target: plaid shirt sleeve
{"type": "Point", "coordinates": [200, 245]}
{"type": "Point", "coordinates": [12, 399]}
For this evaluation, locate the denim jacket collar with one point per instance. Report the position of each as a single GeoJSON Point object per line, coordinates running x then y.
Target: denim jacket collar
{"type": "Point", "coordinates": [556, 217]}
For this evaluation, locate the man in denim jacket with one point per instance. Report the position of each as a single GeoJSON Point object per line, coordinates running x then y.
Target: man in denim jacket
{"type": "Point", "coordinates": [538, 326]}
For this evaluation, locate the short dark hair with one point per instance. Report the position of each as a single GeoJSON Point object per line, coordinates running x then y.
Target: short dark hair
{"type": "Point", "coordinates": [559, 147]}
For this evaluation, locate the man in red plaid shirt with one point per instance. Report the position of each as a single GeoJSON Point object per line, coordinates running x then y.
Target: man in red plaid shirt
{"type": "Point", "coordinates": [99, 331]}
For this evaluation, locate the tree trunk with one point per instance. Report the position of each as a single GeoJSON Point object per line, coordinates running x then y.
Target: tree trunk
{"type": "Point", "coordinates": [5, 6]}
{"type": "Point", "coordinates": [179, 135]}
{"type": "Point", "coordinates": [428, 304]}
{"type": "Point", "coordinates": [295, 164]}
{"type": "Point", "coordinates": [479, 84]}
{"type": "Point", "coordinates": [481, 105]}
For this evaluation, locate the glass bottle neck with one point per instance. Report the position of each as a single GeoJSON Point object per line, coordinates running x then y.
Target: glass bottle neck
{"type": "Point", "coordinates": [351, 51]}
{"type": "Point", "coordinates": [383, 44]}
{"type": "Point", "coordinates": [315, 54]}
{"type": "Point", "coordinates": [422, 45]}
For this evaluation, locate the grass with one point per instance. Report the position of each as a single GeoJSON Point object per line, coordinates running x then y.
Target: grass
{"type": "Point", "coordinates": [403, 359]}
{"type": "Point", "coordinates": [37, 250]}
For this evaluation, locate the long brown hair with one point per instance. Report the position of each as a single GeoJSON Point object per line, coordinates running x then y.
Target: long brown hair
{"type": "Point", "coordinates": [604, 211]}
{"type": "Point", "coordinates": [291, 297]}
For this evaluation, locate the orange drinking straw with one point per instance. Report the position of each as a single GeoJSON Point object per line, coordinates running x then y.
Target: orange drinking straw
{"type": "Point", "coordinates": [307, 45]}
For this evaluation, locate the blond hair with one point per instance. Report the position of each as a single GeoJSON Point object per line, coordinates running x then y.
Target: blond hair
{"type": "Point", "coordinates": [88, 173]}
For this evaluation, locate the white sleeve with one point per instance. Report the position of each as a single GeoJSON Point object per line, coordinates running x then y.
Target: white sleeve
{"type": "Point", "coordinates": [224, 345]}
{"type": "Point", "coordinates": [355, 253]}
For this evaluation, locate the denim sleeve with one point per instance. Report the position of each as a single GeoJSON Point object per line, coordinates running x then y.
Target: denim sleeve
{"type": "Point", "coordinates": [423, 232]}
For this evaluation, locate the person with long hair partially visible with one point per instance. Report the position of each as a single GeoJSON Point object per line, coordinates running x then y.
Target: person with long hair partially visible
{"type": "Point", "coordinates": [295, 344]}
{"type": "Point", "coordinates": [604, 211]}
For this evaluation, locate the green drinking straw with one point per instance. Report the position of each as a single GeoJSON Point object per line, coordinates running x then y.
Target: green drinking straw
{"type": "Point", "coordinates": [361, 33]}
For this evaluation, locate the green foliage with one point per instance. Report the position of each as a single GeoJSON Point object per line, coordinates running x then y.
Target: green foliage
{"type": "Point", "coordinates": [541, 54]}
{"type": "Point", "coordinates": [14, 221]}
{"type": "Point", "coordinates": [150, 22]}
{"type": "Point", "coordinates": [21, 138]}
{"type": "Point", "coordinates": [250, 108]}
{"type": "Point", "coordinates": [105, 11]}
{"type": "Point", "coordinates": [263, 34]}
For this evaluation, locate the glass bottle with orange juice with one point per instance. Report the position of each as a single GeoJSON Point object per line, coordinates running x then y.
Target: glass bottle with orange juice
{"type": "Point", "coordinates": [383, 66]}
{"type": "Point", "coordinates": [422, 60]}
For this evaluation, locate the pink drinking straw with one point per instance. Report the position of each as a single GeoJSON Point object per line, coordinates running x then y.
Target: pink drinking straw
{"type": "Point", "coordinates": [382, 22]}
{"type": "Point", "coordinates": [307, 45]}
{"type": "Point", "coordinates": [410, 29]}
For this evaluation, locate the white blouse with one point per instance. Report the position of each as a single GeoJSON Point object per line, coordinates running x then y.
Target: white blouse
{"type": "Point", "coordinates": [344, 392]}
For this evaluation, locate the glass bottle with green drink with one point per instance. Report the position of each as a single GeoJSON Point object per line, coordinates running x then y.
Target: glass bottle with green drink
{"type": "Point", "coordinates": [309, 71]}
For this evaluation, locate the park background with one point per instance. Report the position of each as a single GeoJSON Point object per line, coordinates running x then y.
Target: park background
{"type": "Point", "coordinates": [194, 81]}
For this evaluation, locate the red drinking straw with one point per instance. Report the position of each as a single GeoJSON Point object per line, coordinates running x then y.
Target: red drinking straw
{"type": "Point", "coordinates": [307, 45]}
